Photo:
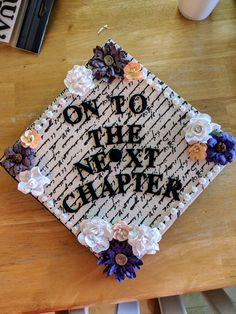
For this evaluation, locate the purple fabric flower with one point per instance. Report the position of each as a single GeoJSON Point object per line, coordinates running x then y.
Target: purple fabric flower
{"type": "Point", "coordinates": [120, 260]}
{"type": "Point", "coordinates": [18, 159]}
{"type": "Point", "coordinates": [108, 62]}
{"type": "Point", "coordinates": [221, 148]}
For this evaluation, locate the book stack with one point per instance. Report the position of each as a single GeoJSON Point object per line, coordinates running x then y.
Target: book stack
{"type": "Point", "coordinates": [23, 23]}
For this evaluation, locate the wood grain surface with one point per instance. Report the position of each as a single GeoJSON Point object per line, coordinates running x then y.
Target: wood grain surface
{"type": "Point", "coordinates": [42, 266]}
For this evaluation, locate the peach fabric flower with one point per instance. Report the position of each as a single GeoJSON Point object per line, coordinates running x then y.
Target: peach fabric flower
{"type": "Point", "coordinates": [121, 231]}
{"type": "Point", "coordinates": [30, 139]}
{"type": "Point", "coordinates": [197, 151]}
{"type": "Point", "coordinates": [132, 71]}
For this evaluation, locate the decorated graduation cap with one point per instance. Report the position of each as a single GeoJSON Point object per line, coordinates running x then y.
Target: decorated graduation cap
{"type": "Point", "coordinates": [118, 157]}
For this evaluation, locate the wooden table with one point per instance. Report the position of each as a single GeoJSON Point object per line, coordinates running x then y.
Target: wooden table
{"type": "Point", "coordinates": [42, 266]}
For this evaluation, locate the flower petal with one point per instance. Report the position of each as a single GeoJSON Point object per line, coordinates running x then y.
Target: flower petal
{"type": "Point", "coordinates": [221, 159]}
{"type": "Point", "coordinates": [24, 176]}
{"type": "Point", "coordinates": [81, 238]}
{"type": "Point", "coordinates": [22, 186]}
{"type": "Point", "coordinates": [37, 191]}
{"type": "Point", "coordinates": [35, 172]}
{"type": "Point", "coordinates": [212, 142]}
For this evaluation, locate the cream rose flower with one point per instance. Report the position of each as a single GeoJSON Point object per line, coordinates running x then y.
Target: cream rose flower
{"type": "Point", "coordinates": [95, 234]}
{"type": "Point", "coordinates": [32, 181]}
{"type": "Point", "coordinates": [199, 128]}
{"type": "Point", "coordinates": [79, 80]}
{"type": "Point", "coordinates": [121, 231]}
{"type": "Point", "coordinates": [144, 240]}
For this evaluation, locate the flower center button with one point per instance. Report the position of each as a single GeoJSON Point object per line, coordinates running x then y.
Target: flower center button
{"type": "Point", "coordinates": [121, 259]}
{"type": "Point", "coordinates": [108, 59]}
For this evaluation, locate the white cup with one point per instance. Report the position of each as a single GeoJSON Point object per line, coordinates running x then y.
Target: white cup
{"type": "Point", "coordinates": [197, 9]}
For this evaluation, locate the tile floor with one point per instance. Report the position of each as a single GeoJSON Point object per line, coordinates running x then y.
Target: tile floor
{"type": "Point", "coordinates": [194, 303]}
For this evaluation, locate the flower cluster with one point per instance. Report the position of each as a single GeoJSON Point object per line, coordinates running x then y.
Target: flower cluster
{"type": "Point", "coordinates": [21, 156]}
{"type": "Point", "coordinates": [119, 247]}
{"type": "Point", "coordinates": [19, 161]}
{"type": "Point", "coordinates": [109, 62]}
{"type": "Point", "coordinates": [207, 141]}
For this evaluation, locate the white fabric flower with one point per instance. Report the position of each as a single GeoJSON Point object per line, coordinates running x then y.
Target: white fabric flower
{"type": "Point", "coordinates": [79, 80]}
{"type": "Point", "coordinates": [199, 128]}
{"type": "Point", "coordinates": [96, 234]}
{"type": "Point", "coordinates": [32, 181]}
{"type": "Point", "coordinates": [144, 240]}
